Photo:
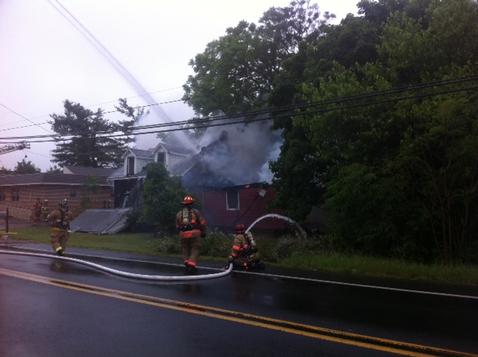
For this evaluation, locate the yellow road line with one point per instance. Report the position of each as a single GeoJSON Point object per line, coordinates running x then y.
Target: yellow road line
{"type": "Point", "coordinates": [321, 333]}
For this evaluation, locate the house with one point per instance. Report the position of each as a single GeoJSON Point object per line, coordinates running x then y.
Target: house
{"type": "Point", "coordinates": [127, 180]}
{"type": "Point", "coordinates": [228, 191]}
{"type": "Point", "coordinates": [19, 192]}
{"type": "Point", "coordinates": [224, 207]}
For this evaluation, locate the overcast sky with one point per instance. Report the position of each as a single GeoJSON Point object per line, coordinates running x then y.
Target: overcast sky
{"type": "Point", "coordinates": [45, 60]}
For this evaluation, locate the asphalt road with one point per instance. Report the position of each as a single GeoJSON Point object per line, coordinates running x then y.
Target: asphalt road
{"type": "Point", "coordinates": [52, 308]}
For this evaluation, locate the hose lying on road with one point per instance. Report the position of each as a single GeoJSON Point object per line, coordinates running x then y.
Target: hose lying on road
{"type": "Point", "coordinates": [125, 274]}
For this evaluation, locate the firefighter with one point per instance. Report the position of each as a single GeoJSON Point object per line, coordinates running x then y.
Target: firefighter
{"type": "Point", "coordinates": [45, 211]}
{"type": "Point", "coordinates": [244, 254]}
{"type": "Point", "coordinates": [59, 220]}
{"type": "Point", "coordinates": [192, 227]}
{"type": "Point", "coordinates": [36, 212]}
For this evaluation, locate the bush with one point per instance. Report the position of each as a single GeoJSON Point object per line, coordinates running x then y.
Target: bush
{"type": "Point", "coordinates": [216, 244]}
{"type": "Point", "coordinates": [168, 245]}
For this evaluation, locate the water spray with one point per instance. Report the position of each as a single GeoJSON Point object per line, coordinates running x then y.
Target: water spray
{"type": "Point", "coordinates": [278, 216]}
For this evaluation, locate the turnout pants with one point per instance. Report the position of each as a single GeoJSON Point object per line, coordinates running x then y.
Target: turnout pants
{"type": "Point", "coordinates": [190, 248]}
{"type": "Point", "coordinates": [59, 237]}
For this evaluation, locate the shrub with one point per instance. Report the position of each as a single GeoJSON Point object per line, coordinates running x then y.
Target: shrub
{"type": "Point", "coordinates": [216, 244]}
{"type": "Point", "coordinates": [168, 245]}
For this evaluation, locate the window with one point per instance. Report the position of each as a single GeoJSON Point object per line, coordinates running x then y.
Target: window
{"type": "Point", "coordinates": [15, 196]}
{"type": "Point", "coordinates": [72, 193]}
{"type": "Point", "coordinates": [232, 200]}
{"type": "Point", "coordinates": [2, 196]}
{"type": "Point", "coordinates": [130, 166]}
{"type": "Point", "coordinates": [161, 158]}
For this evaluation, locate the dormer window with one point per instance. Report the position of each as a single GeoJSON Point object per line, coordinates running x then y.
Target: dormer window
{"type": "Point", "coordinates": [130, 166]}
{"type": "Point", "coordinates": [161, 158]}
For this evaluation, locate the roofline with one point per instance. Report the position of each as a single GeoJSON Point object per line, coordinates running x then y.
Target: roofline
{"type": "Point", "coordinates": [125, 177]}
{"type": "Point", "coordinates": [49, 183]}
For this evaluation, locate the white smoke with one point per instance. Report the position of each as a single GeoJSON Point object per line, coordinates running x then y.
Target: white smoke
{"type": "Point", "coordinates": [233, 154]}
{"type": "Point", "coordinates": [241, 153]}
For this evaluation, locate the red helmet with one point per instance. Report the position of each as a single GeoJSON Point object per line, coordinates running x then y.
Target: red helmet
{"type": "Point", "coordinates": [239, 228]}
{"type": "Point", "coordinates": [188, 200]}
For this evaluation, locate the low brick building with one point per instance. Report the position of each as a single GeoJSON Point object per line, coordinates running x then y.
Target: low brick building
{"type": "Point", "coordinates": [19, 192]}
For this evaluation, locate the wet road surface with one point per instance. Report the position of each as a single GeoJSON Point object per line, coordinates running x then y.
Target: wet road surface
{"type": "Point", "coordinates": [52, 308]}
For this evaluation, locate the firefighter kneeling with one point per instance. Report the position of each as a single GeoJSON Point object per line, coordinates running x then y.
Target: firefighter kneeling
{"type": "Point", "coordinates": [244, 254]}
{"type": "Point", "coordinates": [59, 220]}
{"type": "Point", "coordinates": [192, 227]}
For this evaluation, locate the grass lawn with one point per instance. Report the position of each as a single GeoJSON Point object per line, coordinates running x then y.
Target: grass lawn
{"type": "Point", "coordinates": [141, 243]}
{"type": "Point", "coordinates": [384, 268]}
{"type": "Point", "coordinates": [145, 243]}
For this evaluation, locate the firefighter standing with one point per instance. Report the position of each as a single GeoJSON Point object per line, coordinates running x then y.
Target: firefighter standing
{"type": "Point", "coordinates": [59, 220]}
{"type": "Point", "coordinates": [244, 252]}
{"type": "Point", "coordinates": [45, 211]}
{"type": "Point", "coordinates": [36, 213]}
{"type": "Point", "coordinates": [192, 227]}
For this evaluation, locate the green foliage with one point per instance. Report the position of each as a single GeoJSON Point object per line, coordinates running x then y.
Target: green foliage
{"type": "Point", "coordinates": [162, 197]}
{"type": "Point", "coordinates": [135, 115]}
{"type": "Point", "coordinates": [54, 170]}
{"type": "Point", "coordinates": [25, 167]}
{"type": "Point", "coordinates": [216, 244]}
{"type": "Point", "coordinates": [168, 245]}
{"type": "Point", "coordinates": [5, 171]}
{"type": "Point", "coordinates": [398, 178]}
{"type": "Point", "coordinates": [87, 146]}
{"type": "Point", "coordinates": [236, 72]}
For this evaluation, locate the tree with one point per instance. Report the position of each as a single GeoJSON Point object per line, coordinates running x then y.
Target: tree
{"type": "Point", "coordinates": [162, 197]}
{"type": "Point", "coordinates": [54, 170]}
{"type": "Point", "coordinates": [398, 178]}
{"type": "Point", "coordinates": [83, 138]}
{"type": "Point", "coordinates": [5, 171]}
{"type": "Point", "coordinates": [25, 167]}
{"type": "Point", "coordinates": [135, 115]}
{"type": "Point", "coordinates": [236, 72]}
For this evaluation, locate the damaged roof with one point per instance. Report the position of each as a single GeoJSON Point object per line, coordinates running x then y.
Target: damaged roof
{"type": "Point", "coordinates": [88, 171]}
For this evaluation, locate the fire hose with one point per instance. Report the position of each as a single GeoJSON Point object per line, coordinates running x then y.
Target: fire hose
{"type": "Point", "coordinates": [146, 277]}
{"type": "Point", "coordinates": [125, 274]}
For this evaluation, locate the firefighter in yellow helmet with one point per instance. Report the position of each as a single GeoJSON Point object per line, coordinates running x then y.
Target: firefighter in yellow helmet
{"type": "Point", "coordinates": [244, 254]}
{"type": "Point", "coordinates": [192, 227]}
{"type": "Point", "coordinates": [59, 220]}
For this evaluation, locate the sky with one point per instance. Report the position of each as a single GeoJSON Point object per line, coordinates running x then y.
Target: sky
{"type": "Point", "coordinates": [44, 59]}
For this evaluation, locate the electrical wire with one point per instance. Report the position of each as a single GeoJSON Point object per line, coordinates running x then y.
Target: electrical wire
{"type": "Point", "coordinates": [23, 117]}
{"type": "Point", "coordinates": [271, 113]}
{"type": "Point", "coordinates": [275, 110]}
{"type": "Point", "coordinates": [117, 65]}
{"type": "Point", "coordinates": [209, 122]}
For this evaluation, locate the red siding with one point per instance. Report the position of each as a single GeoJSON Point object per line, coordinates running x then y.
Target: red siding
{"type": "Point", "coordinates": [251, 206]}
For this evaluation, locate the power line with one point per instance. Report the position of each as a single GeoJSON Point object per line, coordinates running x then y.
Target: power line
{"type": "Point", "coordinates": [108, 112]}
{"type": "Point", "coordinates": [274, 111]}
{"type": "Point", "coordinates": [117, 65]}
{"type": "Point", "coordinates": [23, 117]}
{"type": "Point", "coordinates": [206, 122]}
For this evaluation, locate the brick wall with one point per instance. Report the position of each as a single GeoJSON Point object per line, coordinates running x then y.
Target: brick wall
{"type": "Point", "coordinates": [20, 199]}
